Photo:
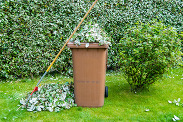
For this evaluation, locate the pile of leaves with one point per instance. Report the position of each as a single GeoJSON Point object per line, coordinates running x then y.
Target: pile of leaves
{"type": "Point", "coordinates": [91, 33]}
{"type": "Point", "coordinates": [51, 97]}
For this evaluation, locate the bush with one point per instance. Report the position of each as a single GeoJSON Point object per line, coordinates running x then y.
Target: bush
{"type": "Point", "coordinates": [33, 31]}
{"type": "Point", "coordinates": [147, 51]}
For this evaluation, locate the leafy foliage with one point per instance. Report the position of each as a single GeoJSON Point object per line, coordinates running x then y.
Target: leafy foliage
{"type": "Point", "coordinates": [51, 97]}
{"type": "Point", "coordinates": [118, 15]}
{"type": "Point", "coordinates": [33, 31]}
{"type": "Point", "coordinates": [147, 50]}
{"type": "Point", "coordinates": [32, 34]}
{"type": "Point", "coordinates": [91, 33]}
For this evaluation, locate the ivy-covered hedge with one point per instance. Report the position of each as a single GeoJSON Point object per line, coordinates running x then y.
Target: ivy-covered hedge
{"type": "Point", "coordinates": [33, 31]}
{"type": "Point", "coordinates": [118, 15]}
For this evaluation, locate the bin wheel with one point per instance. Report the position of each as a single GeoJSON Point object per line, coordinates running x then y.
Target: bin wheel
{"type": "Point", "coordinates": [106, 91]}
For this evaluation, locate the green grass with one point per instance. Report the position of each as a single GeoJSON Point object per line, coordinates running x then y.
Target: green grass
{"type": "Point", "coordinates": [121, 105]}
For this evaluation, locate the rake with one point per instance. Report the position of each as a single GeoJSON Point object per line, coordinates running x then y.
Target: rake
{"type": "Point", "coordinates": [36, 88]}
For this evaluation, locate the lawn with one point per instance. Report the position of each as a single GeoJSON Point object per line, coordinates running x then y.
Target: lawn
{"type": "Point", "coordinates": [121, 105]}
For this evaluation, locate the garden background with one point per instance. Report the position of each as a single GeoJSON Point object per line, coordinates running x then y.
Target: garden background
{"type": "Point", "coordinates": [32, 33]}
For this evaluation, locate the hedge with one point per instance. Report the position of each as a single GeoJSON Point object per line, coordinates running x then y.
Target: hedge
{"type": "Point", "coordinates": [33, 31]}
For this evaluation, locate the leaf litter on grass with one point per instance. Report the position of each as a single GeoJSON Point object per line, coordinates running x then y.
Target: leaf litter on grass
{"type": "Point", "coordinates": [51, 97]}
{"type": "Point", "coordinates": [177, 103]}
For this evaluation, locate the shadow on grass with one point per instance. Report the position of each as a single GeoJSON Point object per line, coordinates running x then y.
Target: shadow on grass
{"type": "Point", "coordinates": [120, 90]}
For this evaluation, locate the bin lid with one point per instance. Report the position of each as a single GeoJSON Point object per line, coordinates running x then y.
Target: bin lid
{"type": "Point", "coordinates": [87, 45]}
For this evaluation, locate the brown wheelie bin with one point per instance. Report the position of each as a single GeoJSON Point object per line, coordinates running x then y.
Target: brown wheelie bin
{"type": "Point", "coordinates": [89, 68]}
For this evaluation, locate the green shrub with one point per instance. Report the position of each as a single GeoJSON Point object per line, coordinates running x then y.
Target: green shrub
{"type": "Point", "coordinates": [147, 51]}
{"type": "Point", "coordinates": [33, 31]}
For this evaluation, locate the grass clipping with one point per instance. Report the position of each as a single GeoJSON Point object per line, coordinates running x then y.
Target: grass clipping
{"type": "Point", "coordinates": [51, 97]}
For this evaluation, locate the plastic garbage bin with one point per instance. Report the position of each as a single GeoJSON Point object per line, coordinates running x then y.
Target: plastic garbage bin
{"type": "Point", "coordinates": [89, 68]}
